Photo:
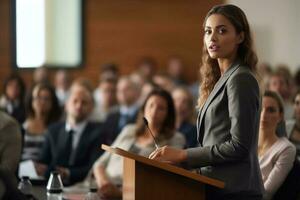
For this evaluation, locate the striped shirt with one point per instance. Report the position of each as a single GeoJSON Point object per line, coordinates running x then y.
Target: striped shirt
{"type": "Point", "coordinates": [32, 145]}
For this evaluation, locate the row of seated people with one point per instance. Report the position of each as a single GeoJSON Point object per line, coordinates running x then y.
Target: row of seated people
{"type": "Point", "coordinates": [112, 129]}
{"type": "Point", "coordinates": [276, 154]}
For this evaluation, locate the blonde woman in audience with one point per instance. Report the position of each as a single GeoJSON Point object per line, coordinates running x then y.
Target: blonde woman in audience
{"type": "Point", "coordinates": [42, 109]}
{"type": "Point", "coordinates": [159, 110]}
{"type": "Point", "coordinates": [293, 125]}
{"type": "Point", "coordinates": [276, 154]}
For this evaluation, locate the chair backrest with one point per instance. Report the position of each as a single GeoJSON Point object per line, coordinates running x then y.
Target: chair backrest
{"type": "Point", "coordinates": [290, 188]}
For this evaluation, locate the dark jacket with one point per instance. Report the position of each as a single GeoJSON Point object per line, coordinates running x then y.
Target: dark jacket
{"type": "Point", "coordinates": [87, 151]}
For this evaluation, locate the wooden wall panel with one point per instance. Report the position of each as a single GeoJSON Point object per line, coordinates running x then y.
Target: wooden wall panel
{"type": "Point", "coordinates": [124, 30]}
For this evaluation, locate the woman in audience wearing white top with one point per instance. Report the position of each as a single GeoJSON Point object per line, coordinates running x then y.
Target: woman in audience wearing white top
{"type": "Point", "coordinates": [42, 109]}
{"type": "Point", "coordinates": [159, 110]}
{"type": "Point", "coordinates": [293, 125]}
{"type": "Point", "coordinates": [276, 154]}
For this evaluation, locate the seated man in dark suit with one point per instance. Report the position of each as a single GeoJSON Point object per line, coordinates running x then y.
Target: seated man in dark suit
{"type": "Point", "coordinates": [127, 95]}
{"type": "Point", "coordinates": [71, 147]}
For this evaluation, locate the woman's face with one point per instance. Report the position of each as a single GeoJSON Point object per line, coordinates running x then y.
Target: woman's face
{"type": "Point", "coordinates": [42, 102]}
{"type": "Point", "coordinates": [220, 37]}
{"type": "Point", "coordinates": [156, 110]}
{"type": "Point", "coordinates": [270, 115]}
{"type": "Point", "coordinates": [297, 107]}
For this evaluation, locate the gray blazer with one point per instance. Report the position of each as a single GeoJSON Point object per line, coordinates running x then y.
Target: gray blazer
{"type": "Point", "coordinates": [227, 127]}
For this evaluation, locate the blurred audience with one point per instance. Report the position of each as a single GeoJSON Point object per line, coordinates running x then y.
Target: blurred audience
{"type": "Point", "coordinates": [107, 71]}
{"type": "Point", "coordinates": [164, 81]}
{"type": "Point", "coordinates": [276, 154]}
{"type": "Point", "coordinates": [146, 67]}
{"type": "Point", "coordinates": [108, 101]}
{"type": "Point", "coordinates": [12, 100]}
{"type": "Point", "coordinates": [145, 91]}
{"type": "Point", "coordinates": [280, 82]}
{"type": "Point", "coordinates": [159, 110]}
{"type": "Point", "coordinates": [109, 114]}
{"type": "Point", "coordinates": [42, 110]}
{"type": "Point", "coordinates": [128, 93]}
{"type": "Point", "coordinates": [185, 111]}
{"type": "Point", "coordinates": [293, 125]}
{"type": "Point", "coordinates": [175, 71]}
{"type": "Point", "coordinates": [265, 72]}
{"type": "Point", "coordinates": [41, 75]}
{"type": "Point", "coordinates": [72, 146]}
{"type": "Point", "coordinates": [62, 85]}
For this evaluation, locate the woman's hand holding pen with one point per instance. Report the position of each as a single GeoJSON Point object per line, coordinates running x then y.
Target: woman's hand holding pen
{"type": "Point", "coordinates": [169, 154]}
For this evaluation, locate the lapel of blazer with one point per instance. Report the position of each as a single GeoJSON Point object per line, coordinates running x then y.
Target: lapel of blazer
{"type": "Point", "coordinates": [214, 93]}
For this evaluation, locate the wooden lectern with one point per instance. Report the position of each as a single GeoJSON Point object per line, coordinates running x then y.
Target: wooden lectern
{"type": "Point", "coordinates": [146, 179]}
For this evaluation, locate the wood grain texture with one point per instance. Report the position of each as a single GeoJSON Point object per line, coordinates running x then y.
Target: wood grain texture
{"type": "Point", "coordinates": [149, 179]}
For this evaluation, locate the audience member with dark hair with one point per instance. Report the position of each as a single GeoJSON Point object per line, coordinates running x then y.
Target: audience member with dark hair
{"type": "Point", "coordinates": [72, 146]}
{"type": "Point", "coordinates": [12, 101]}
{"type": "Point", "coordinates": [276, 154]}
{"type": "Point", "coordinates": [184, 107]}
{"type": "Point", "coordinates": [159, 110]}
{"type": "Point", "coordinates": [42, 110]}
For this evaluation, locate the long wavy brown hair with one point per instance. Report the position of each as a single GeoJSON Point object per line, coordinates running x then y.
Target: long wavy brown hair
{"type": "Point", "coordinates": [209, 69]}
{"type": "Point", "coordinates": [168, 127]}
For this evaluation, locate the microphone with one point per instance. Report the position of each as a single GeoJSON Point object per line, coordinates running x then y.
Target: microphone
{"type": "Point", "coordinates": [146, 124]}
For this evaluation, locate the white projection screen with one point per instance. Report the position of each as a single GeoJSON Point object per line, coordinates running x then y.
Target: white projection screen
{"type": "Point", "coordinates": [48, 33]}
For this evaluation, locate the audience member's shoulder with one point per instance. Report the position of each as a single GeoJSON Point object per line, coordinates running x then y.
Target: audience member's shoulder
{"type": "Point", "coordinates": [6, 120]}
{"type": "Point", "coordinates": [130, 128]}
{"type": "Point", "coordinates": [56, 126]}
{"type": "Point", "coordinates": [284, 144]}
{"type": "Point", "coordinates": [95, 126]}
{"type": "Point", "coordinates": [113, 113]}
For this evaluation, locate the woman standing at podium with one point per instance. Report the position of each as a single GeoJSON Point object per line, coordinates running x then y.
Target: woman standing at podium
{"type": "Point", "coordinates": [229, 101]}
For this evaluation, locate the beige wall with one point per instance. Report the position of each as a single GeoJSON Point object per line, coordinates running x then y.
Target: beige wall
{"type": "Point", "coordinates": [276, 27]}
